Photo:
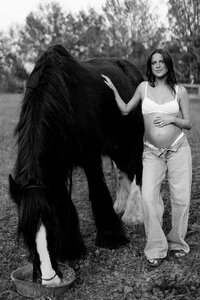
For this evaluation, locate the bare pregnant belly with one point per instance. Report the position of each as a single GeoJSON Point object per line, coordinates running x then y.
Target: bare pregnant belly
{"type": "Point", "coordinates": [160, 137]}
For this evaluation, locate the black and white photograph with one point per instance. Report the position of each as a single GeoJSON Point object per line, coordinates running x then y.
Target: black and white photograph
{"type": "Point", "coordinates": [99, 149]}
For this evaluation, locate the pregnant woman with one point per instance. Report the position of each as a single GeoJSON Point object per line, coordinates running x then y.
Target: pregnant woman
{"type": "Point", "coordinates": [165, 108]}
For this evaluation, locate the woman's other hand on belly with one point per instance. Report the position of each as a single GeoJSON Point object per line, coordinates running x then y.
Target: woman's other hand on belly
{"type": "Point", "coordinates": [163, 120]}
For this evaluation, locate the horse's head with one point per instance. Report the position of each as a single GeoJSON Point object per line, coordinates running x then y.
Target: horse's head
{"type": "Point", "coordinates": [15, 190]}
{"type": "Point", "coordinates": [32, 206]}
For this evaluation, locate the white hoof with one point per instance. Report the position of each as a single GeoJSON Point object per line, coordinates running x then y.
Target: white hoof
{"type": "Point", "coordinates": [54, 281]}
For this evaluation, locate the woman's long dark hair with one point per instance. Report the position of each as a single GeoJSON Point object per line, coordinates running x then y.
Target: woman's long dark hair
{"type": "Point", "coordinates": [171, 78]}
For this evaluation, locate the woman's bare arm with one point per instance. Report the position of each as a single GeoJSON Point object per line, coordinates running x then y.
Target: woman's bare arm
{"type": "Point", "coordinates": [185, 122]}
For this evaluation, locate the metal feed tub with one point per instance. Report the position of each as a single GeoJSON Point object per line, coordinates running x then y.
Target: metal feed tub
{"type": "Point", "coordinates": [22, 278]}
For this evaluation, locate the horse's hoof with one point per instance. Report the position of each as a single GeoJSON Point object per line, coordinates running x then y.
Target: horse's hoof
{"type": "Point", "coordinates": [111, 242]}
{"type": "Point", "coordinates": [72, 254]}
{"type": "Point", "coordinates": [54, 280]}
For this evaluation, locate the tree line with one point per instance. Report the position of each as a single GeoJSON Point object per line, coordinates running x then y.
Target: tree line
{"type": "Point", "coordinates": [123, 28]}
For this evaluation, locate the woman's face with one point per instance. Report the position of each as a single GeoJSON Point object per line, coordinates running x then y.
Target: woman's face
{"type": "Point", "coordinates": [159, 69]}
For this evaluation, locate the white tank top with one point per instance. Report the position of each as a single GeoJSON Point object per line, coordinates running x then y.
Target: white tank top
{"type": "Point", "coordinates": [149, 106]}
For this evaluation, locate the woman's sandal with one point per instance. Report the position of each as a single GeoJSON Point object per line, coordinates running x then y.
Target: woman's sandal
{"type": "Point", "coordinates": [178, 253]}
{"type": "Point", "coordinates": [155, 262]}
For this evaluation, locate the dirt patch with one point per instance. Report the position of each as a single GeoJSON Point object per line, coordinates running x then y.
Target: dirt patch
{"type": "Point", "coordinates": [105, 274]}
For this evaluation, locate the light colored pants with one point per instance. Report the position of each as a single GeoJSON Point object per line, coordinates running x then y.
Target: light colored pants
{"type": "Point", "coordinates": [176, 162]}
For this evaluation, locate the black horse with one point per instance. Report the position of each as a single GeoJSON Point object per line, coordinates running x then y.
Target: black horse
{"type": "Point", "coordinates": [69, 118]}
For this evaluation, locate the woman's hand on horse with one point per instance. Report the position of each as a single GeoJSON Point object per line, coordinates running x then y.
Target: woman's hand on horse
{"type": "Point", "coordinates": [108, 82]}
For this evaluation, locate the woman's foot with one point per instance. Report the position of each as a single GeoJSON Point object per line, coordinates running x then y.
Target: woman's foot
{"type": "Point", "coordinates": [178, 253]}
{"type": "Point", "coordinates": [155, 262]}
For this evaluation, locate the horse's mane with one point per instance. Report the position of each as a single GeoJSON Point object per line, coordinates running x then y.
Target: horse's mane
{"type": "Point", "coordinates": [46, 110]}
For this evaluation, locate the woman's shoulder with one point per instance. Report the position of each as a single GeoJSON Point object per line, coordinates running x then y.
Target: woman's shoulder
{"type": "Point", "coordinates": [182, 94]}
{"type": "Point", "coordinates": [181, 90]}
{"type": "Point", "coordinates": [141, 89]}
{"type": "Point", "coordinates": [142, 85]}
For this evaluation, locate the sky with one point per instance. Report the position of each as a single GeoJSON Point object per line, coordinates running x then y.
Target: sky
{"type": "Point", "coordinates": [15, 11]}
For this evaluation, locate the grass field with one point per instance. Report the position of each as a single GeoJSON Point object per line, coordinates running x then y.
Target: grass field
{"type": "Point", "coordinates": [104, 274]}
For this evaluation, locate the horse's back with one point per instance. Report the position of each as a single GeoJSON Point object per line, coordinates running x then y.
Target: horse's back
{"type": "Point", "coordinates": [124, 74]}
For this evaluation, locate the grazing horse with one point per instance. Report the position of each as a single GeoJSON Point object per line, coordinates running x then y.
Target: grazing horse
{"type": "Point", "coordinates": [69, 118]}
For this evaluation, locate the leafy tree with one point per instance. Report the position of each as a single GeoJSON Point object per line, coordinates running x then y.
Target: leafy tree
{"type": "Point", "coordinates": [91, 34]}
{"type": "Point", "coordinates": [50, 24]}
{"type": "Point", "coordinates": [80, 33]}
{"type": "Point", "coordinates": [184, 18]}
{"type": "Point", "coordinates": [12, 68]}
{"type": "Point", "coordinates": [178, 56]}
{"type": "Point", "coordinates": [132, 29]}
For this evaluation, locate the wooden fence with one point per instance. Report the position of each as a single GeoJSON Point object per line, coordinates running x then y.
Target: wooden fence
{"type": "Point", "coordinates": [193, 91]}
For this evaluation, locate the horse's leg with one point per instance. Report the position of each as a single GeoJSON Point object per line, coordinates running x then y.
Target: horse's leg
{"type": "Point", "coordinates": [110, 233]}
{"type": "Point", "coordinates": [58, 236]}
{"type": "Point", "coordinates": [70, 239]}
